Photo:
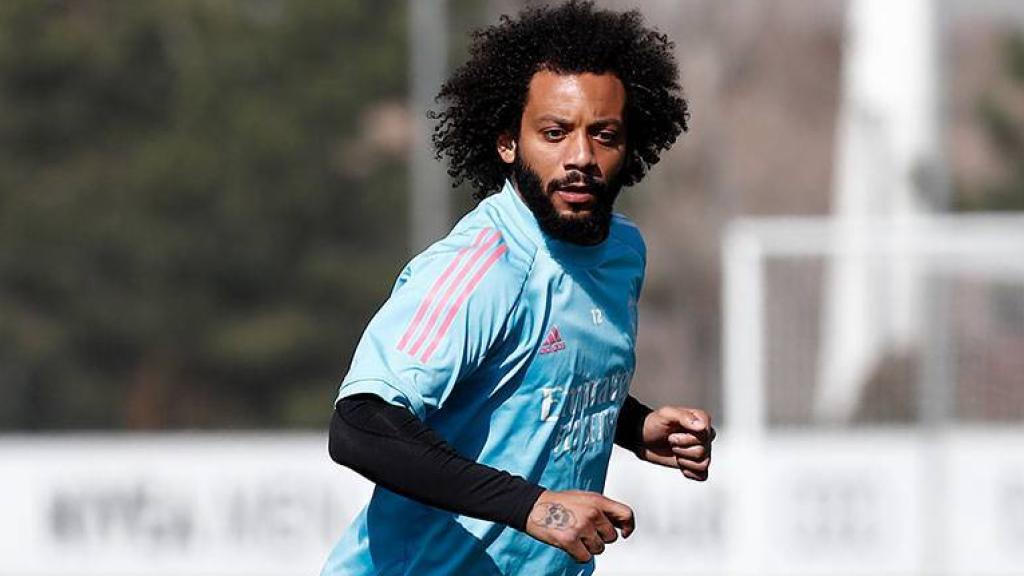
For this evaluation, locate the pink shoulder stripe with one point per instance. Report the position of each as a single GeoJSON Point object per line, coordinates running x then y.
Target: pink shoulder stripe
{"type": "Point", "coordinates": [432, 320]}
{"type": "Point", "coordinates": [425, 304]}
{"type": "Point", "coordinates": [462, 299]}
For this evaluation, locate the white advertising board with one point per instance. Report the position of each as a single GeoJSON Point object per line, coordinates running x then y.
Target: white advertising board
{"type": "Point", "coordinates": [857, 503]}
{"type": "Point", "coordinates": [171, 505]}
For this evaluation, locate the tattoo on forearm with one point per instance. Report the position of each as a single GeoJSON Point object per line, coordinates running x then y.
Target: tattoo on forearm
{"type": "Point", "coordinates": [554, 516]}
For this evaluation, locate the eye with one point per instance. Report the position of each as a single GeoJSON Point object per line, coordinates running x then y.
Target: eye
{"type": "Point", "coordinates": [553, 134]}
{"type": "Point", "coordinates": [607, 137]}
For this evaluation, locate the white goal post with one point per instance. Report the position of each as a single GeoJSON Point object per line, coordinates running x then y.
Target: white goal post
{"type": "Point", "coordinates": [989, 245]}
{"type": "Point", "coordinates": [779, 271]}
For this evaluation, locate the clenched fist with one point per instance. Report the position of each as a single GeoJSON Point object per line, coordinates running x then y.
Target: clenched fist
{"type": "Point", "coordinates": [679, 438]}
{"type": "Point", "coordinates": [581, 523]}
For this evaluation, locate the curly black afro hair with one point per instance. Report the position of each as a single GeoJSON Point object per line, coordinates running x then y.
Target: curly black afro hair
{"type": "Point", "coordinates": [486, 95]}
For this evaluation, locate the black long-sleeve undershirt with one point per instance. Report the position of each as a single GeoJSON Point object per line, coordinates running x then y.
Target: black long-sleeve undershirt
{"type": "Point", "coordinates": [390, 446]}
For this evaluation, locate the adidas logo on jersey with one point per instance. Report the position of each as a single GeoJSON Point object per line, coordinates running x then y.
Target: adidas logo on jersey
{"type": "Point", "coordinates": [552, 342]}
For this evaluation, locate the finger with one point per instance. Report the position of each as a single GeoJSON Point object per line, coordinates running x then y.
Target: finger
{"type": "Point", "coordinates": [578, 551]}
{"type": "Point", "coordinates": [698, 476]}
{"type": "Point", "coordinates": [694, 470]}
{"type": "Point", "coordinates": [684, 440]}
{"type": "Point", "coordinates": [593, 543]}
{"type": "Point", "coordinates": [712, 435]}
{"type": "Point", "coordinates": [606, 531]}
{"type": "Point", "coordinates": [700, 466]}
{"type": "Point", "coordinates": [620, 515]}
{"type": "Point", "coordinates": [692, 453]}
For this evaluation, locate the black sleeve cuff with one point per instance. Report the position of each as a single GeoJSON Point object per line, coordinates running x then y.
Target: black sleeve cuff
{"type": "Point", "coordinates": [629, 430]}
{"type": "Point", "coordinates": [521, 514]}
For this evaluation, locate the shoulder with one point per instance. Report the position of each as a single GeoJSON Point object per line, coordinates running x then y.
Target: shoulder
{"type": "Point", "coordinates": [492, 221]}
{"type": "Point", "coordinates": [478, 260]}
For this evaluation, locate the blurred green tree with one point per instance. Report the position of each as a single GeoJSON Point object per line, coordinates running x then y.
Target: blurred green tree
{"type": "Point", "coordinates": [200, 205]}
{"type": "Point", "coordinates": [1004, 126]}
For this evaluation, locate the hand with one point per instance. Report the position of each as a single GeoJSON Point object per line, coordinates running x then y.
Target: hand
{"type": "Point", "coordinates": [581, 523]}
{"type": "Point", "coordinates": [680, 438]}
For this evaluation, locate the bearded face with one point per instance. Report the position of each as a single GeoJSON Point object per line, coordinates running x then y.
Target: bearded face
{"type": "Point", "coordinates": [569, 151]}
{"type": "Point", "coordinates": [587, 227]}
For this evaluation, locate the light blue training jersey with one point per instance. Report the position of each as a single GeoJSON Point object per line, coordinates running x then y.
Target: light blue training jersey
{"type": "Point", "coordinates": [518, 349]}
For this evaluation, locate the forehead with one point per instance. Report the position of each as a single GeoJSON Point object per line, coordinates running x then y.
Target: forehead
{"type": "Point", "coordinates": [572, 96]}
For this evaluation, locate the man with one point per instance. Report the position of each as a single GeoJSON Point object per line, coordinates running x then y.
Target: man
{"type": "Point", "coordinates": [485, 395]}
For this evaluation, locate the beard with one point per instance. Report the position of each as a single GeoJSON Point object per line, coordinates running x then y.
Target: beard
{"type": "Point", "coordinates": [586, 229]}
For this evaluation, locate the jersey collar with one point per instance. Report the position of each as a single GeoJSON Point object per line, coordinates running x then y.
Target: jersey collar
{"type": "Point", "coordinates": [566, 253]}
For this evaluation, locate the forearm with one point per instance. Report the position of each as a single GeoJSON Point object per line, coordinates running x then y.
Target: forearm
{"type": "Point", "coordinates": [629, 429]}
{"type": "Point", "coordinates": [393, 448]}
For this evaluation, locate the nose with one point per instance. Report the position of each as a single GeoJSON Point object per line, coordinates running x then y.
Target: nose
{"type": "Point", "coordinates": [579, 154]}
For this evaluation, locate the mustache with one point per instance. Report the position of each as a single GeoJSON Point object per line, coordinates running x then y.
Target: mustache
{"type": "Point", "coordinates": [598, 185]}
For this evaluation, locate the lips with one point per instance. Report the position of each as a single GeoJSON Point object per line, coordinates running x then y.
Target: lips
{"type": "Point", "coordinates": [575, 195]}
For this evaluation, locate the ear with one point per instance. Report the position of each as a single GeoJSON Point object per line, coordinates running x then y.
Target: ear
{"type": "Point", "coordinates": [507, 147]}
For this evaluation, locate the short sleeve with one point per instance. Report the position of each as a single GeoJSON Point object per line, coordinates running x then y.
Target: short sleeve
{"type": "Point", "coordinates": [450, 306]}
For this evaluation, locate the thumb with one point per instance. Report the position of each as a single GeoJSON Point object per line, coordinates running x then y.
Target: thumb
{"type": "Point", "coordinates": [620, 515]}
{"type": "Point", "coordinates": [694, 420]}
